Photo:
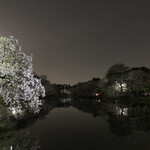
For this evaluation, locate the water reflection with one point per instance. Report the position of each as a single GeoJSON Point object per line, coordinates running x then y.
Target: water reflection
{"type": "Point", "coordinates": [13, 138]}
{"type": "Point", "coordinates": [18, 140]}
{"type": "Point", "coordinates": [122, 119]}
{"type": "Point", "coordinates": [15, 132]}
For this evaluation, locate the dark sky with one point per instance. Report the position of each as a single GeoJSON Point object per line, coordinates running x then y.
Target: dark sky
{"type": "Point", "coordinates": [76, 40]}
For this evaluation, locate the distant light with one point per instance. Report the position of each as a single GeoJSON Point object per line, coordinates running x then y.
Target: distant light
{"type": "Point", "coordinates": [96, 94]}
{"type": "Point", "coordinates": [99, 100]}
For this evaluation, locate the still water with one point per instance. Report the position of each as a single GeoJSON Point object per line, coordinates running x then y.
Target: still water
{"type": "Point", "coordinates": [82, 125]}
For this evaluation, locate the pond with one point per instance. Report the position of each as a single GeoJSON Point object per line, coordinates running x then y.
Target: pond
{"type": "Point", "coordinates": [82, 125]}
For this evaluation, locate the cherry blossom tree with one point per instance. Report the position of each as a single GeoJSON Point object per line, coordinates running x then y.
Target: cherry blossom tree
{"type": "Point", "coordinates": [19, 88]}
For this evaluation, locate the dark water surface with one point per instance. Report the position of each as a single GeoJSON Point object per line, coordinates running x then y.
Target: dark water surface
{"type": "Point", "coordinates": [79, 125]}
{"type": "Point", "coordinates": [71, 129]}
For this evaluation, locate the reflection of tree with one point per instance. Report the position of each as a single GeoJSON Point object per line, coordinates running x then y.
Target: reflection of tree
{"type": "Point", "coordinates": [122, 118]}
{"type": "Point", "coordinates": [119, 125]}
{"type": "Point", "coordinates": [89, 106]}
{"type": "Point", "coordinates": [29, 119]}
{"type": "Point", "coordinates": [15, 133]}
{"type": "Point", "coordinates": [10, 136]}
{"type": "Point", "coordinates": [137, 118]}
{"type": "Point", "coordinates": [18, 140]}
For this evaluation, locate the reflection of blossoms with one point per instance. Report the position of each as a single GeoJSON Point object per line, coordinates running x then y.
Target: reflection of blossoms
{"type": "Point", "coordinates": [19, 140]}
{"type": "Point", "coordinates": [14, 135]}
{"type": "Point", "coordinates": [18, 86]}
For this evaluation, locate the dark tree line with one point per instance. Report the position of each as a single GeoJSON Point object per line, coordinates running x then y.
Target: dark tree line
{"type": "Point", "coordinates": [86, 89]}
{"type": "Point", "coordinates": [120, 80]}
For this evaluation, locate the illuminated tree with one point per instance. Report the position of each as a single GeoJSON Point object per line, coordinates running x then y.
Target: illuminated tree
{"type": "Point", "coordinates": [19, 88]}
{"type": "Point", "coordinates": [116, 78]}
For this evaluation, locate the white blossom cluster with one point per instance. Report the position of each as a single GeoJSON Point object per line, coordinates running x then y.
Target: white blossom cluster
{"type": "Point", "coordinates": [19, 88]}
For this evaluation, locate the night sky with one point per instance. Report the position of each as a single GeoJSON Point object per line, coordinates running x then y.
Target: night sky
{"type": "Point", "coordinates": [76, 40]}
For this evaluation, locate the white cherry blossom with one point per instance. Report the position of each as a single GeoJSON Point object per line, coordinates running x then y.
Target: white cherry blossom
{"type": "Point", "coordinates": [19, 88]}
